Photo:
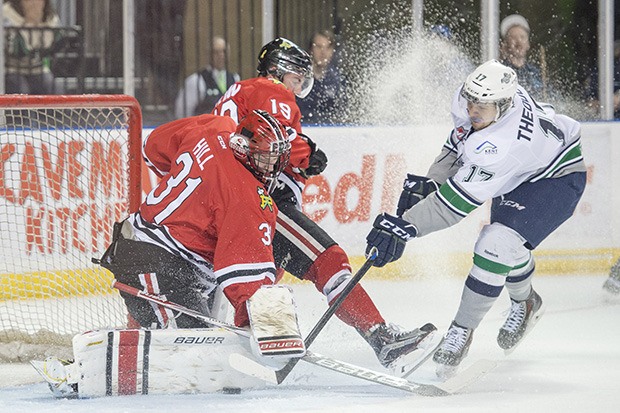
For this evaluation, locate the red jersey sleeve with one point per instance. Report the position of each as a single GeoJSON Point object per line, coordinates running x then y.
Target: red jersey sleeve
{"type": "Point", "coordinates": [243, 259]}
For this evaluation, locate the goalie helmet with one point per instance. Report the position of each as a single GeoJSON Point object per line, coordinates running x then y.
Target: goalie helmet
{"type": "Point", "coordinates": [281, 56]}
{"type": "Point", "coordinates": [261, 144]}
{"type": "Point", "coordinates": [491, 82]}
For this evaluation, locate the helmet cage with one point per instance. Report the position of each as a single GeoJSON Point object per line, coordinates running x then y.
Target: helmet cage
{"type": "Point", "coordinates": [261, 144]}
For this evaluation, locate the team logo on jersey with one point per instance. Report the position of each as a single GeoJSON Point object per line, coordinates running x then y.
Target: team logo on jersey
{"type": "Point", "coordinates": [487, 148]}
{"type": "Point", "coordinates": [460, 133]}
{"type": "Point", "coordinates": [265, 199]}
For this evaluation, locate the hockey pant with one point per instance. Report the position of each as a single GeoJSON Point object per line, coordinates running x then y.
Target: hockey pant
{"type": "Point", "coordinates": [306, 251]}
{"type": "Point", "coordinates": [520, 221]}
{"type": "Point", "coordinates": [153, 269]}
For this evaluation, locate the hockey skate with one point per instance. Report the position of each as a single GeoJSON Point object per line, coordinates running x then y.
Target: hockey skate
{"type": "Point", "coordinates": [452, 350]}
{"type": "Point", "coordinates": [56, 373]}
{"type": "Point", "coordinates": [398, 350]}
{"type": "Point", "coordinates": [612, 284]}
{"type": "Point", "coordinates": [522, 318]}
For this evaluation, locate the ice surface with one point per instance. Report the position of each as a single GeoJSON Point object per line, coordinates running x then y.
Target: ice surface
{"type": "Point", "coordinates": [569, 362]}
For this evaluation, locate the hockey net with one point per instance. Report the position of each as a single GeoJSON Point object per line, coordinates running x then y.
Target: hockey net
{"type": "Point", "coordinates": [69, 168]}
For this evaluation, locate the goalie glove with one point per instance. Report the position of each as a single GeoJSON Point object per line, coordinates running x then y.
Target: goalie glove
{"type": "Point", "coordinates": [389, 235]}
{"type": "Point", "coordinates": [318, 159]}
{"type": "Point", "coordinates": [415, 189]}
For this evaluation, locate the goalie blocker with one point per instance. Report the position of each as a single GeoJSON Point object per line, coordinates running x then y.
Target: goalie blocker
{"type": "Point", "coordinates": [275, 329]}
{"type": "Point", "coordinates": [169, 361]}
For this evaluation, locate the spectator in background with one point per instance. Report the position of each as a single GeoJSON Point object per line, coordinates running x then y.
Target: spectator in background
{"type": "Point", "coordinates": [592, 84]}
{"type": "Point", "coordinates": [203, 89]}
{"type": "Point", "coordinates": [514, 49]}
{"type": "Point", "coordinates": [28, 49]}
{"type": "Point", "coordinates": [326, 101]}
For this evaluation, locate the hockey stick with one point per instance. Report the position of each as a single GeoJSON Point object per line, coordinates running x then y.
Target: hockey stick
{"type": "Point", "coordinates": [255, 369]}
{"type": "Point", "coordinates": [284, 371]}
{"type": "Point", "coordinates": [177, 307]}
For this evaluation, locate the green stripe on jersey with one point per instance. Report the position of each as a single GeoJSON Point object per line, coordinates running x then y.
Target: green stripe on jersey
{"type": "Point", "coordinates": [567, 157]}
{"type": "Point", "coordinates": [455, 199]}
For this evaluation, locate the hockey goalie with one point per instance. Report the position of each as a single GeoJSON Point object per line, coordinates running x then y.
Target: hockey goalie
{"type": "Point", "coordinates": [206, 228]}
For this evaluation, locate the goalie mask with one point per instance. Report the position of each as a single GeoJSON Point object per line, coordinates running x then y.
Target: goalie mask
{"type": "Point", "coordinates": [281, 56]}
{"type": "Point", "coordinates": [490, 84]}
{"type": "Point", "coordinates": [261, 144]}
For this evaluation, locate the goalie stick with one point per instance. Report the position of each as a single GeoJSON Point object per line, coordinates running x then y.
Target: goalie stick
{"type": "Point", "coordinates": [318, 327]}
{"type": "Point", "coordinates": [250, 367]}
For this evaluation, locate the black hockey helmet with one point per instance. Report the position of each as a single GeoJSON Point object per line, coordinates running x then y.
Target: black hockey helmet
{"type": "Point", "coordinates": [281, 56]}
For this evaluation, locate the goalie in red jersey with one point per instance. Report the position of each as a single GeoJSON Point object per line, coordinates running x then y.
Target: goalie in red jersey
{"type": "Point", "coordinates": [208, 224]}
{"type": "Point", "coordinates": [302, 247]}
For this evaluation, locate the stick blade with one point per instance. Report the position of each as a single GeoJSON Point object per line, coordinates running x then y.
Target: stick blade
{"type": "Point", "coordinates": [252, 368]}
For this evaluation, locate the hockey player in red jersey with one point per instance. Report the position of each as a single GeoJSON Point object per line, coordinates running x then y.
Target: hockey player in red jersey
{"type": "Point", "coordinates": [302, 247]}
{"type": "Point", "coordinates": [187, 237]}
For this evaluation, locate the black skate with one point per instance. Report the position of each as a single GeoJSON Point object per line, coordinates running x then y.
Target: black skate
{"type": "Point", "coordinates": [522, 318]}
{"type": "Point", "coordinates": [390, 343]}
{"type": "Point", "coordinates": [452, 350]}
{"type": "Point", "coordinates": [612, 284]}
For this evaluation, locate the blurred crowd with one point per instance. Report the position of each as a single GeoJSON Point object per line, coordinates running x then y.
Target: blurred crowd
{"type": "Point", "coordinates": [35, 43]}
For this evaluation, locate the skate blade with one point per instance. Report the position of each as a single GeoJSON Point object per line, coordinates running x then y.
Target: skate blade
{"type": "Point", "coordinates": [529, 328]}
{"type": "Point", "coordinates": [612, 286]}
{"type": "Point", "coordinates": [405, 365]}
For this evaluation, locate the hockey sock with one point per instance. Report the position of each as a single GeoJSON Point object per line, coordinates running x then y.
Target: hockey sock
{"type": "Point", "coordinates": [330, 273]}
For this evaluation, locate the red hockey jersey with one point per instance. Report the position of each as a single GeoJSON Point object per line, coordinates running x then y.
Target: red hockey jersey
{"type": "Point", "coordinates": [270, 95]}
{"type": "Point", "coordinates": [208, 206]}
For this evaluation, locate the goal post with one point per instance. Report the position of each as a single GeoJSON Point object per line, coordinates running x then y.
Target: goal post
{"type": "Point", "coordinates": [70, 166]}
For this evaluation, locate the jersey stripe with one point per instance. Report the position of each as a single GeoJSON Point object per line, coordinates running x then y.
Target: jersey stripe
{"type": "Point", "coordinates": [245, 273]}
{"type": "Point", "coordinates": [569, 156]}
{"type": "Point", "coordinates": [158, 235]}
{"type": "Point", "coordinates": [456, 199]}
{"type": "Point", "coordinates": [299, 236]}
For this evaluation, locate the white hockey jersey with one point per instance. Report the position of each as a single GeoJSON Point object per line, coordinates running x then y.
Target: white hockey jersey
{"type": "Point", "coordinates": [530, 142]}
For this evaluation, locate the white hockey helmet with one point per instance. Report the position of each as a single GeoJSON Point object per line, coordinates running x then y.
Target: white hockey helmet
{"type": "Point", "coordinates": [491, 82]}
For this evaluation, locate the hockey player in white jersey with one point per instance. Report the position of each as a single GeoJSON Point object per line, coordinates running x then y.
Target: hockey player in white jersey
{"type": "Point", "coordinates": [527, 159]}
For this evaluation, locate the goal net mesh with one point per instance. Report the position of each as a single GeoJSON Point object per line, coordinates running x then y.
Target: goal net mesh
{"type": "Point", "coordinates": [64, 181]}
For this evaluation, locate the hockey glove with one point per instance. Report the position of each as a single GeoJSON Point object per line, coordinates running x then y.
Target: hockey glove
{"type": "Point", "coordinates": [318, 159]}
{"type": "Point", "coordinates": [415, 189]}
{"type": "Point", "coordinates": [389, 235]}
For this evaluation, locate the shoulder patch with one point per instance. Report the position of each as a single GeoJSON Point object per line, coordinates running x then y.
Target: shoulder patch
{"type": "Point", "coordinates": [487, 148]}
{"type": "Point", "coordinates": [265, 199]}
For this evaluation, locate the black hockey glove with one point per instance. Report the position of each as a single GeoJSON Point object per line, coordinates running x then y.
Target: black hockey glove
{"type": "Point", "coordinates": [415, 189]}
{"type": "Point", "coordinates": [389, 235]}
{"type": "Point", "coordinates": [318, 159]}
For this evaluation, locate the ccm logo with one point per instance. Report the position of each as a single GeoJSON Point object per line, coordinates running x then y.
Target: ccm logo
{"type": "Point", "coordinates": [401, 233]}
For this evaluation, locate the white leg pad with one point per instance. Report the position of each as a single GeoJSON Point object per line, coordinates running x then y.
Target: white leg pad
{"type": "Point", "coordinates": [171, 361]}
{"type": "Point", "coordinates": [273, 319]}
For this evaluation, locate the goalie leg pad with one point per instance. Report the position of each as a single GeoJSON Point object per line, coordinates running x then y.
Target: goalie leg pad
{"type": "Point", "coordinates": [274, 324]}
{"type": "Point", "coordinates": [171, 361]}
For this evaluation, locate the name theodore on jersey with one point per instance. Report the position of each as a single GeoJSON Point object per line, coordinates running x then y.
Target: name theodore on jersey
{"type": "Point", "coordinates": [198, 340]}
{"type": "Point", "coordinates": [526, 124]}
